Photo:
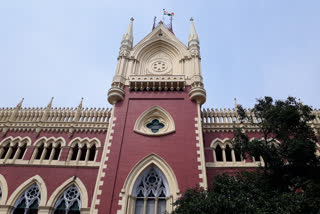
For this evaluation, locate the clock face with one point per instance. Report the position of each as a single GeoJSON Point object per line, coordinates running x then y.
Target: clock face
{"type": "Point", "coordinates": [159, 66]}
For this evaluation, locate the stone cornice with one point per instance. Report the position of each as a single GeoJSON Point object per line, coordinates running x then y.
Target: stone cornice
{"type": "Point", "coordinates": [54, 120]}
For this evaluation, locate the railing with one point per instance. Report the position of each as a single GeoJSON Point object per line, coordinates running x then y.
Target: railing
{"type": "Point", "coordinates": [212, 117]}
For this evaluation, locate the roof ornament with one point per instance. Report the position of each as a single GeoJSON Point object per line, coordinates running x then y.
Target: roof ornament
{"type": "Point", "coordinates": [193, 36]}
{"type": "Point", "coordinates": [78, 112]}
{"type": "Point", "coordinates": [46, 111]}
{"type": "Point", "coordinates": [235, 103]}
{"type": "Point", "coordinates": [15, 112]}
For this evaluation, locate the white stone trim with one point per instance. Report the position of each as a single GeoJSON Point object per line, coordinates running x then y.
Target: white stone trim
{"type": "Point", "coordinates": [59, 190]}
{"type": "Point", "coordinates": [126, 192]}
{"type": "Point", "coordinates": [4, 189]}
{"type": "Point", "coordinates": [35, 179]}
{"type": "Point", "coordinates": [103, 164]}
{"type": "Point", "coordinates": [200, 149]}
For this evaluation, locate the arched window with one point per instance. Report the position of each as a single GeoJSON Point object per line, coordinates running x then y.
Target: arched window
{"type": "Point", "coordinates": [0, 193]}
{"type": "Point", "coordinates": [28, 202]}
{"type": "Point", "coordinates": [69, 202]}
{"type": "Point", "coordinates": [218, 151]}
{"type": "Point", "coordinates": [150, 191]}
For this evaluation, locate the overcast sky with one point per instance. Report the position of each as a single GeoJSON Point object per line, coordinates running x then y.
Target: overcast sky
{"type": "Point", "coordinates": [68, 49]}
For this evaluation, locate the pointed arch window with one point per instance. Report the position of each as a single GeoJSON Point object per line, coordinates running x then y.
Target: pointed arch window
{"type": "Point", "coordinates": [69, 202]}
{"type": "Point", "coordinates": [57, 151]}
{"type": "Point", "coordinates": [28, 202]}
{"type": "Point", "coordinates": [0, 193]}
{"type": "Point", "coordinates": [218, 152]}
{"type": "Point", "coordinates": [4, 150]}
{"type": "Point", "coordinates": [151, 191]}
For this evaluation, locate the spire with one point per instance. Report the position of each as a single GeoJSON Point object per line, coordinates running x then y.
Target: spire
{"type": "Point", "coordinates": [127, 38]}
{"type": "Point", "coordinates": [235, 103]}
{"type": "Point", "coordinates": [78, 112]}
{"type": "Point", "coordinates": [16, 110]}
{"type": "Point", "coordinates": [20, 104]}
{"type": "Point", "coordinates": [46, 111]}
{"type": "Point", "coordinates": [193, 36]}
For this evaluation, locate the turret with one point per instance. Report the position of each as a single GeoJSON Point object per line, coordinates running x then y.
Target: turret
{"type": "Point", "coordinates": [197, 93]}
{"type": "Point", "coordinates": [116, 92]}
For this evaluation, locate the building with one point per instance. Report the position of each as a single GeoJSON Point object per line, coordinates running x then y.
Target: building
{"type": "Point", "coordinates": [139, 156]}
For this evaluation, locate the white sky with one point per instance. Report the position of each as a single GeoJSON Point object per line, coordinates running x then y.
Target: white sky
{"type": "Point", "coordinates": [68, 49]}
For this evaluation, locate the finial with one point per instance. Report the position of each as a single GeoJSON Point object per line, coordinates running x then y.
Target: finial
{"type": "Point", "coordinates": [80, 105]}
{"type": "Point", "coordinates": [50, 103]}
{"type": "Point", "coordinates": [132, 19]}
{"type": "Point", "coordinates": [20, 103]}
{"type": "Point", "coordinates": [193, 36]}
{"type": "Point", "coordinates": [235, 103]}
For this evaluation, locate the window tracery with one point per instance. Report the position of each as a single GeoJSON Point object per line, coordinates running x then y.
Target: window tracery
{"type": "Point", "coordinates": [69, 202]}
{"type": "Point", "coordinates": [151, 190]}
{"type": "Point", "coordinates": [28, 202]}
{"type": "Point", "coordinates": [155, 121]}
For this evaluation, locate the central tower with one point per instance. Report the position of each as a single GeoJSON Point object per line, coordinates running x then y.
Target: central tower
{"type": "Point", "coordinates": [154, 143]}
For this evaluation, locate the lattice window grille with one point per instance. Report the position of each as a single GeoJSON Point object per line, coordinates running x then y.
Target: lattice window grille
{"type": "Point", "coordinates": [69, 197]}
{"type": "Point", "coordinates": [151, 184]}
{"type": "Point", "coordinates": [29, 197]}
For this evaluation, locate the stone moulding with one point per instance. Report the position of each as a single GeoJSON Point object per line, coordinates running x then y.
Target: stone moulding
{"type": "Point", "coordinates": [155, 112]}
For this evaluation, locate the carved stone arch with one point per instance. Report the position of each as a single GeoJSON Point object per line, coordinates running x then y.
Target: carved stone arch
{"type": "Point", "coordinates": [154, 113]}
{"type": "Point", "coordinates": [138, 169]}
{"type": "Point", "coordinates": [14, 140]}
{"type": "Point", "coordinates": [159, 51]}
{"type": "Point", "coordinates": [65, 185]}
{"type": "Point", "coordinates": [4, 190]}
{"type": "Point", "coordinates": [86, 139]}
{"type": "Point", "coordinates": [226, 142]}
{"type": "Point", "coordinates": [33, 180]}
{"type": "Point", "coordinates": [217, 142]}
{"type": "Point", "coordinates": [54, 140]}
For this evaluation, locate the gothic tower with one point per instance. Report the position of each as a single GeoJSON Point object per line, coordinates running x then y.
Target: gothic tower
{"type": "Point", "coordinates": [154, 146]}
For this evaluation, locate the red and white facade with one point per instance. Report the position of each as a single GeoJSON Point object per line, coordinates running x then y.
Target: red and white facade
{"type": "Point", "coordinates": [139, 156]}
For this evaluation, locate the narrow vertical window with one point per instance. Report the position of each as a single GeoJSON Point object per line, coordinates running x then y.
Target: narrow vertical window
{"type": "Point", "coordinates": [92, 152]}
{"type": "Point", "coordinates": [48, 153]}
{"type": "Point", "coordinates": [228, 154]}
{"type": "Point", "coordinates": [83, 153]}
{"type": "Point", "coordinates": [75, 151]}
{"type": "Point", "coordinates": [218, 151]}
{"type": "Point", "coordinates": [40, 151]}
{"type": "Point", "coordinates": [22, 151]}
{"type": "Point", "coordinates": [14, 150]}
{"type": "Point", "coordinates": [57, 152]}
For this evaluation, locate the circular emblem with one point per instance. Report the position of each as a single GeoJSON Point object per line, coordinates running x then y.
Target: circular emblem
{"type": "Point", "coordinates": [159, 66]}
